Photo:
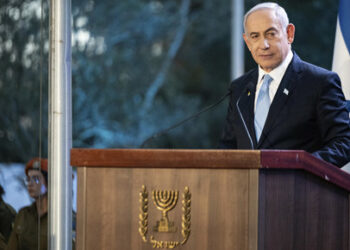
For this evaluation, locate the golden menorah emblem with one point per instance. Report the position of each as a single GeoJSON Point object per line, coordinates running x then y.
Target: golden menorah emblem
{"type": "Point", "coordinates": [165, 200]}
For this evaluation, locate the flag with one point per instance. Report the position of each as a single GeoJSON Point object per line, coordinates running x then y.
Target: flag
{"type": "Point", "coordinates": [341, 56]}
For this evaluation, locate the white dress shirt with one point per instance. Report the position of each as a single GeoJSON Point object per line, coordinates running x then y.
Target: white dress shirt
{"type": "Point", "coordinates": [276, 74]}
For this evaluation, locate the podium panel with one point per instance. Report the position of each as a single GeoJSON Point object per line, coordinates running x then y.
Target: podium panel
{"type": "Point", "coordinates": [298, 210]}
{"type": "Point", "coordinates": [210, 199]}
{"type": "Point", "coordinates": [110, 205]}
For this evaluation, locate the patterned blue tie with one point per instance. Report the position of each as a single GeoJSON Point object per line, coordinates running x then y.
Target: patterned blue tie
{"type": "Point", "coordinates": [262, 106]}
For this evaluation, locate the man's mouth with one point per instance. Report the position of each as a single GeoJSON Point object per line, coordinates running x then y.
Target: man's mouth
{"type": "Point", "coordinates": [266, 56]}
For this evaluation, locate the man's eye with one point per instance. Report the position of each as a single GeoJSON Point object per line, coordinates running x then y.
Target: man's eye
{"type": "Point", "coordinates": [271, 34]}
{"type": "Point", "coordinates": [254, 36]}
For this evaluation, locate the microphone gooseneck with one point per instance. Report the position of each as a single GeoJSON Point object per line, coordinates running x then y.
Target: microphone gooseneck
{"type": "Point", "coordinates": [165, 131]}
{"type": "Point", "coordinates": [241, 116]}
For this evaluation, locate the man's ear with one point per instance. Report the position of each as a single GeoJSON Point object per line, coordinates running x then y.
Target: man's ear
{"type": "Point", "coordinates": [290, 33]}
{"type": "Point", "coordinates": [246, 41]}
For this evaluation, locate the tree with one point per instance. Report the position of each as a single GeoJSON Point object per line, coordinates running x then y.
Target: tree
{"type": "Point", "coordinates": [138, 67]}
{"type": "Point", "coordinates": [141, 62]}
{"type": "Point", "coordinates": [22, 71]}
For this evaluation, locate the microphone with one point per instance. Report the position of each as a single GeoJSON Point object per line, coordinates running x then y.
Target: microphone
{"type": "Point", "coordinates": [247, 91]}
{"type": "Point", "coordinates": [165, 131]}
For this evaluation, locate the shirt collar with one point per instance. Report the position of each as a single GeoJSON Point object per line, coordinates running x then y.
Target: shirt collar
{"type": "Point", "coordinates": [277, 73]}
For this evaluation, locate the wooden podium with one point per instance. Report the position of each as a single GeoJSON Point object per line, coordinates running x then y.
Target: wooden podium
{"type": "Point", "coordinates": [210, 200]}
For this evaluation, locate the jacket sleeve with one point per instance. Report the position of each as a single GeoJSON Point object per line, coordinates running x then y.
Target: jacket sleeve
{"type": "Point", "coordinates": [2, 242]}
{"type": "Point", "coordinates": [12, 244]}
{"type": "Point", "coordinates": [333, 123]}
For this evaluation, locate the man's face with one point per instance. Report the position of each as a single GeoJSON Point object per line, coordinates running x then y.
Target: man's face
{"type": "Point", "coordinates": [36, 183]}
{"type": "Point", "coordinates": [266, 40]}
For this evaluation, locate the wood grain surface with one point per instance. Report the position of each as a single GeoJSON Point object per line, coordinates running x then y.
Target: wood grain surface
{"type": "Point", "coordinates": [298, 210]}
{"type": "Point", "coordinates": [241, 199]}
{"type": "Point", "coordinates": [223, 207]}
{"type": "Point", "coordinates": [165, 158]}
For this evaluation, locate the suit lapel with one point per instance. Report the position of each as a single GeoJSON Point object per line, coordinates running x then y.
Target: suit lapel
{"type": "Point", "coordinates": [284, 91]}
{"type": "Point", "coordinates": [246, 105]}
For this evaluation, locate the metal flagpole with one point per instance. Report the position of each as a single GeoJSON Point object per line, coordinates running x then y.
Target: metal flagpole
{"type": "Point", "coordinates": [237, 45]}
{"type": "Point", "coordinates": [60, 135]}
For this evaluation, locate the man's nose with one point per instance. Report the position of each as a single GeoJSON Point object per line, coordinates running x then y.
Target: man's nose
{"type": "Point", "coordinates": [264, 44]}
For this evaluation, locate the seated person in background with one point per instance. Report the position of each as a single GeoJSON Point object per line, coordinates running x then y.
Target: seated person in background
{"type": "Point", "coordinates": [27, 230]}
{"type": "Point", "coordinates": [7, 217]}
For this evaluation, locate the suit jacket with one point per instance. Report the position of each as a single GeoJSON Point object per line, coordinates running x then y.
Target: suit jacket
{"type": "Point", "coordinates": [308, 113]}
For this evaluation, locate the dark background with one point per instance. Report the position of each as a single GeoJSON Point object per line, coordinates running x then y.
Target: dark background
{"type": "Point", "coordinates": [138, 66]}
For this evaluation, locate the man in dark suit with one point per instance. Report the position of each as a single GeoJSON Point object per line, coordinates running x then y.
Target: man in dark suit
{"type": "Point", "coordinates": [285, 103]}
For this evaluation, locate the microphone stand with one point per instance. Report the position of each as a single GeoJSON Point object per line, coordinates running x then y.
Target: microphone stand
{"type": "Point", "coordinates": [165, 131]}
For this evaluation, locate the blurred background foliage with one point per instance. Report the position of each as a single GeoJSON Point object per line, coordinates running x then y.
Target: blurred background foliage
{"type": "Point", "coordinates": [138, 66]}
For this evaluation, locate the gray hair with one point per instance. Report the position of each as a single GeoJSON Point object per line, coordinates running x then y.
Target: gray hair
{"type": "Point", "coordinates": [279, 11]}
